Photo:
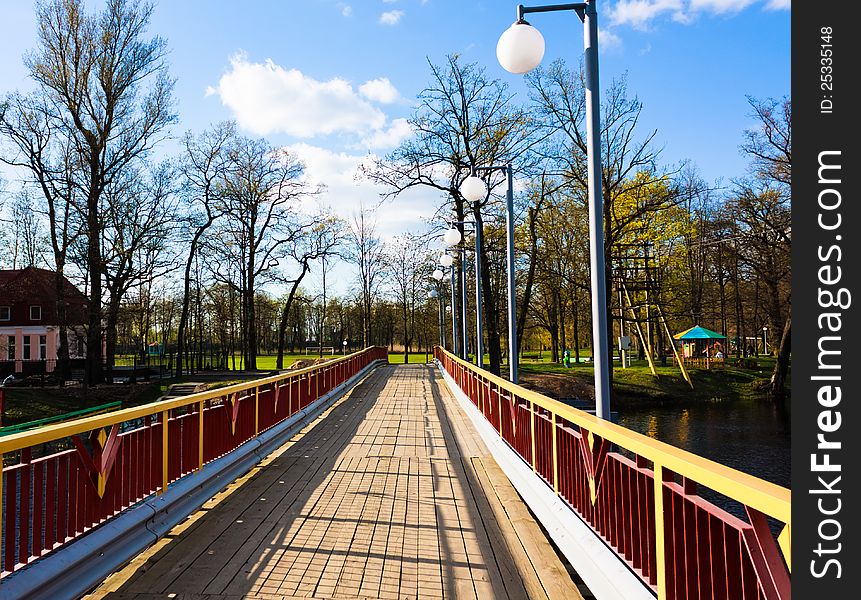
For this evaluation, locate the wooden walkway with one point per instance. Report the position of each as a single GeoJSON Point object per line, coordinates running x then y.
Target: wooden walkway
{"type": "Point", "coordinates": [389, 494]}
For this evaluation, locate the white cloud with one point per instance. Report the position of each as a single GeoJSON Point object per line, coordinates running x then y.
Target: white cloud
{"type": "Point", "coordinates": [346, 191]}
{"type": "Point", "coordinates": [608, 40]}
{"type": "Point", "coordinates": [640, 13]}
{"type": "Point", "coordinates": [379, 90]}
{"type": "Point", "coordinates": [720, 6]}
{"type": "Point", "coordinates": [346, 9]}
{"type": "Point", "coordinates": [391, 17]}
{"type": "Point", "coordinates": [383, 139]}
{"type": "Point", "coordinates": [209, 91]}
{"type": "Point", "coordinates": [266, 98]}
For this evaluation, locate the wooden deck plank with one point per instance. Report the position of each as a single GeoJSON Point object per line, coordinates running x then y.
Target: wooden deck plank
{"type": "Point", "coordinates": [390, 494]}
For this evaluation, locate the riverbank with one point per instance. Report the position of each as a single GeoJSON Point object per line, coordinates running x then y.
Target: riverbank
{"type": "Point", "coordinates": [636, 387]}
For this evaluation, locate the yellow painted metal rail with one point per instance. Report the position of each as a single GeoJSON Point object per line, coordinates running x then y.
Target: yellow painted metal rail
{"type": "Point", "coordinates": [61, 480]}
{"type": "Point", "coordinates": [641, 495]}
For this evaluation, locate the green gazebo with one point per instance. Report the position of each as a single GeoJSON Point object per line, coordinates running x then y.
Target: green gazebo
{"type": "Point", "coordinates": [701, 344]}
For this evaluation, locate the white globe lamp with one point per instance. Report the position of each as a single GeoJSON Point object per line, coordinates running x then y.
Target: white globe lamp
{"type": "Point", "coordinates": [432, 294]}
{"type": "Point", "coordinates": [451, 237]}
{"type": "Point", "coordinates": [473, 189]}
{"type": "Point", "coordinates": [438, 275]}
{"type": "Point", "coordinates": [520, 48]}
{"type": "Point", "coordinates": [446, 260]}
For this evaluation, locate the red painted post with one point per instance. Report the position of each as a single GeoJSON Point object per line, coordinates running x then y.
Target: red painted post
{"type": "Point", "coordinates": [24, 509]}
{"type": "Point", "coordinates": [50, 500]}
{"type": "Point", "coordinates": [10, 487]}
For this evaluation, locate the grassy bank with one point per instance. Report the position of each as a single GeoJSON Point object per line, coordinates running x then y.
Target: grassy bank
{"type": "Point", "coordinates": [637, 385]}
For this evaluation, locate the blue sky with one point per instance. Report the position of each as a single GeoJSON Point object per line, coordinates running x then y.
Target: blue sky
{"type": "Point", "coordinates": [333, 80]}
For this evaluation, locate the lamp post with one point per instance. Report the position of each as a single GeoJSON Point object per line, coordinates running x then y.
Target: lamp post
{"type": "Point", "coordinates": [519, 50]}
{"type": "Point", "coordinates": [479, 342]}
{"type": "Point", "coordinates": [765, 340]}
{"type": "Point", "coordinates": [451, 238]}
{"type": "Point", "coordinates": [438, 276]}
{"type": "Point", "coordinates": [474, 190]}
{"type": "Point", "coordinates": [447, 261]}
{"type": "Point", "coordinates": [344, 343]}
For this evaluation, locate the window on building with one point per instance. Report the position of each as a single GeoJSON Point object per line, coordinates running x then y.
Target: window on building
{"type": "Point", "coordinates": [35, 313]}
{"type": "Point", "coordinates": [43, 347]}
{"type": "Point", "coordinates": [11, 348]}
{"type": "Point", "coordinates": [26, 355]}
{"type": "Point", "coordinates": [5, 313]}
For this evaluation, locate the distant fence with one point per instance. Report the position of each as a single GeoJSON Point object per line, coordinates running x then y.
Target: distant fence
{"type": "Point", "coordinates": [44, 371]}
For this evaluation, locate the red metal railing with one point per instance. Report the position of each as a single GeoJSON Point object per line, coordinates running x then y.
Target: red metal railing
{"type": "Point", "coordinates": [640, 495]}
{"type": "Point", "coordinates": [63, 480]}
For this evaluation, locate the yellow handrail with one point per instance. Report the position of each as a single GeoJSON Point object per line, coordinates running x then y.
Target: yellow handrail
{"type": "Point", "coordinates": [24, 439]}
{"type": "Point", "coordinates": [764, 496]}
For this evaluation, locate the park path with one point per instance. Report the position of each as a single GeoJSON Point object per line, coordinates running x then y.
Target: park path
{"type": "Point", "coordinates": [389, 494]}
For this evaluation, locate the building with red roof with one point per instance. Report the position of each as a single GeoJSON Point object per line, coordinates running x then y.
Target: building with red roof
{"type": "Point", "coordinates": [29, 326]}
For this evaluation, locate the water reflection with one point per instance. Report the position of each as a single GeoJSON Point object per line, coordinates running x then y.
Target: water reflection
{"type": "Point", "coordinates": [750, 436]}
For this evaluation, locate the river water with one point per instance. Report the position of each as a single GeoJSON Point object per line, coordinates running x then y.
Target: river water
{"type": "Point", "coordinates": [748, 435]}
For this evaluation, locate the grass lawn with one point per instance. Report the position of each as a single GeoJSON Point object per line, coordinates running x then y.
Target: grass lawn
{"type": "Point", "coordinates": [636, 383]}
{"type": "Point", "coordinates": [25, 404]}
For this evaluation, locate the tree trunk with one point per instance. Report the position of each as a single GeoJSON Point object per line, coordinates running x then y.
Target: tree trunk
{"type": "Point", "coordinates": [777, 390]}
{"type": "Point", "coordinates": [285, 316]}
{"type": "Point", "coordinates": [93, 362]}
{"type": "Point", "coordinates": [186, 297]}
{"type": "Point", "coordinates": [63, 368]}
{"type": "Point", "coordinates": [530, 277]}
{"type": "Point", "coordinates": [489, 306]}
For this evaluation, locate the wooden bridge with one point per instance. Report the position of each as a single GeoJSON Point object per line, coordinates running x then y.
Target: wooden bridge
{"type": "Point", "coordinates": [357, 479]}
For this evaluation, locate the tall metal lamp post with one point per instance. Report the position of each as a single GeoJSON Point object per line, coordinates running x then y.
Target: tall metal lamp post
{"type": "Point", "coordinates": [452, 237]}
{"type": "Point", "coordinates": [434, 294]}
{"type": "Point", "coordinates": [474, 189]}
{"type": "Point", "coordinates": [447, 261]}
{"type": "Point", "coordinates": [519, 50]}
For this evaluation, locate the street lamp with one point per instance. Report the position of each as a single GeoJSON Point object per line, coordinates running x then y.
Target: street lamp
{"type": "Point", "coordinates": [519, 50]}
{"type": "Point", "coordinates": [434, 294]}
{"type": "Point", "coordinates": [765, 339]}
{"type": "Point", "coordinates": [479, 342]}
{"type": "Point", "coordinates": [451, 237]}
{"type": "Point", "coordinates": [447, 261]}
{"type": "Point", "coordinates": [474, 190]}
{"type": "Point", "coordinates": [344, 343]}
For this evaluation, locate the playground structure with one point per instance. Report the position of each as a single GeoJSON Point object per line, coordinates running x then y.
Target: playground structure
{"type": "Point", "coordinates": [702, 347]}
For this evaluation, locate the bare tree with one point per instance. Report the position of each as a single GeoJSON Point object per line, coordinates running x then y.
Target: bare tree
{"type": "Point", "coordinates": [630, 163]}
{"type": "Point", "coordinates": [28, 238]}
{"type": "Point", "coordinates": [367, 252]}
{"type": "Point", "coordinates": [262, 188]}
{"type": "Point", "coordinates": [91, 71]}
{"type": "Point", "coordinates": [409, 262]}
{"type": "Point", "coordinates": [318, 239]}
{"type": "Point", "coordinates": [36, 144]}
{"type": "Point", "coordinates": [138, 215]}
{"type": "Point", "coordinates": [766, 210]}
{"type": "Point", "coordinates": [463, 119]}
{"type": "Point", "coordinates": [203, 169]}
